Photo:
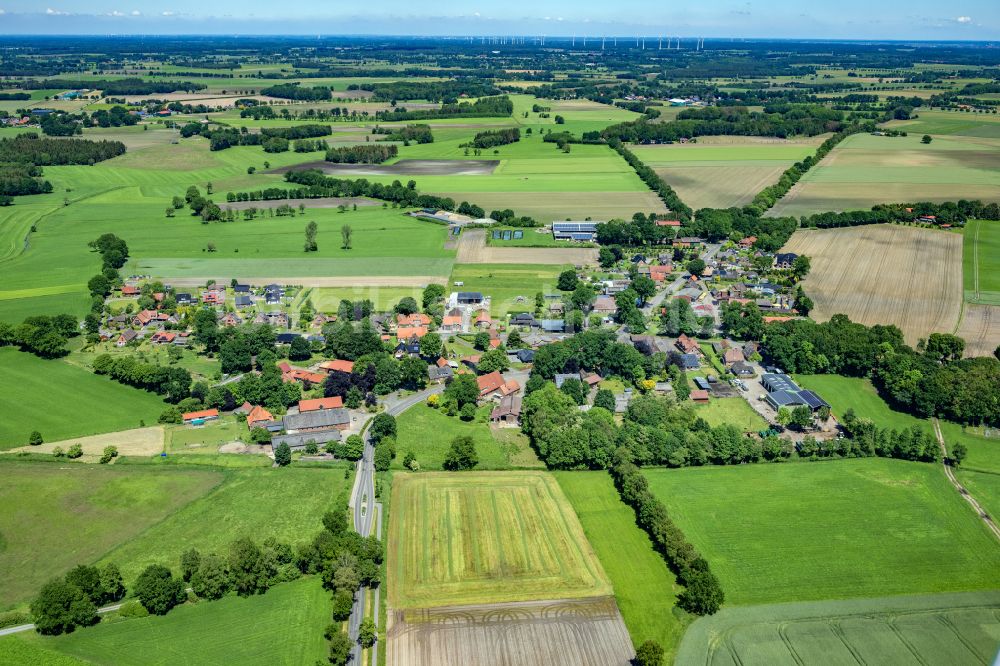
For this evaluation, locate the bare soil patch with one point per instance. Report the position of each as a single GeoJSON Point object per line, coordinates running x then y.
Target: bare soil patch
{"type": "Point", "coordinates": [402, 168]}
{"type": "Point", "coordinates": [980, 328]}
{"type": "Point", "coordinates": [885, 274]}
{"type": "Point", "coordinates": [322, 202]}
{"type": "Point", "coordinates": [472, 249]}
{"type": "Point", "coordinates": [582, 632]}
{"type": "Point", "coordinates": [137, 442]}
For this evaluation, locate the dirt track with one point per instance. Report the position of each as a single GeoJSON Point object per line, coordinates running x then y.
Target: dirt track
{"type": "Point", "coordinates": [885, 274]}
{"type": "Point", "coordinates": [575, 632]}
{"type": "Point", "coordinates": [472, 249]}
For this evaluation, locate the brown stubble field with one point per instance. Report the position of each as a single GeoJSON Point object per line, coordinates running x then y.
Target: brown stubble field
{"type": "Point", "coordinates": [885, 274]}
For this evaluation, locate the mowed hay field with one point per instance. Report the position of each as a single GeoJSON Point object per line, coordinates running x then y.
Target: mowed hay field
{"type": "Point", "coordinates": [485, 538]}
{"type": "Point", "coordinates": [725, 171]}
{"type": "Point", "coordinates": [832, 530]}
{"type": "Point", "coordinates": [884, 274]}
{"type": "Point", "coordinates": [934, 629]}
{"type": "Point", "coordinates": [866, 170]}
{"type": "Point", "coordinates": [981, 261]}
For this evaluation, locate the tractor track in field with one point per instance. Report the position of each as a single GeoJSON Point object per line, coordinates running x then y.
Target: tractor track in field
{"type": "Point", "coordinates": [950, 473]}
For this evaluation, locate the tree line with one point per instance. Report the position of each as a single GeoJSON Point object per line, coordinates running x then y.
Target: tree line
{"type": "Point", "coordinates": [42, 335]}
{"type": "Point", "coordinates": [173, 383]}
{"type": "Point", "coordinates": [407, 134]}
{"type": "Point", "coordinates": [127, 86]}
{"type": "Point", "coordinates": [484, 107]}
{"type": "Point", "coordinates": [21, 179]}
{"type": "Point", "coordinates": [362, 154]}
{"type": "Point", "coordinates": [447, 92]}
{"type": "Point", "coordinates": [500, 137]}
{"type": "Point", "coordinates": [40, 151]}
{"type": "Point", "coordinates": [297, 92]}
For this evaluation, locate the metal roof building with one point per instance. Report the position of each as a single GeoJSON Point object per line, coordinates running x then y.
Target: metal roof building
{"type": "Point", "coordinates": [578, 231]}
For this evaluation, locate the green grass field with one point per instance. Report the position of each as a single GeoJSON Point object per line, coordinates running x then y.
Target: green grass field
{"type": "Point", "coordinates": [845, 393]}
{"type": "Point", "coordinates": [87, 403]}
{"type": "Point", "coordinates": [511, 287]}
{"type": "Point", "coordinates": [16, 650]}
{"type": "Point", "coordinates": [284, 626]}
{"type": "Point", "coordinates": [480, 538]}
{"type": "Point", "coordinates": [932, 629]}
{"type": "Point", "coordinates": [429, 432]}
{"type": "Point", "coordinates": [721, 172]}
{"type": "Point", "coordinates": [951, 123]}
{"type": "Point", "coordinates": [864, 170]}
{"type": "Point", "coordinates": [830, 530]}
{"type": "Point", "coordinates": [61, 515]}
{"type": "Point", "coordinates": [731, 411]}
{"type": "Point", "coordinates": [645, 589]}
{"type": "Point", "coordinates": [981, 262]}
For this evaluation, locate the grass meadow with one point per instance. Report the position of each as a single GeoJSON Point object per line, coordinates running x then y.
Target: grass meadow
{"type": "Point", "coordinates": [429, 432]}
{"type": "Point", "coordinates": [936, 629]}
{"type": "Point", "coordinates": [721, 172]}
{"type": "Point", "coordinates": [830, 530]}
{"type": "Point", "coordinates": [511, 287]}
{"type": "Point", "coordinates": [480, 538]}
{"type": "Point", "coordinates": [845, 393]}
{"type": "Point", "coordinates": [645, 589]}
{"type": "Point", "coordinates": [283, 626]}
{"type": "Point", "coordinates": [731, 411]}
{"type": "Point", "coordinates": [864, 170]}
{"type": "Point", "coordinates": [61, 401]}
{"type": "Point", "coordinates": [59, 515]}
{"type": "Point", "coordinates": [981, 261]}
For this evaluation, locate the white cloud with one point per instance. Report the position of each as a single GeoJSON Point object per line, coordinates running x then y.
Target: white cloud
{"type": "Point", "coordinates": [55, 12]}
{"type": "Point", "coordinates": [964, 19]}
{"type": "Point", "coordinates": [167, 13]}
{"type": "Point", "coordinates": [136, 12]}
{"type": "Point", "coordinates": [115, 13]}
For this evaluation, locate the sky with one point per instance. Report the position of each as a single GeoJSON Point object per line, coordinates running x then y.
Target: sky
{"type": "Point", "coordinates": [823, 19]}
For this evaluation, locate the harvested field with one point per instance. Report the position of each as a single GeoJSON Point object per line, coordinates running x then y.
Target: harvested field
{"type": "Point", "coordinates": [933, 629]}
{"type": "Point", "coordinates": [137, 442]}
{"type": "Point", "coordinates": [486, 537]}
{"type": "Point", "coordinates": [472, 249]}
{"type": "Point", "coordinates": [322, 202]}
{"type": "Point", "coordinates": [884, 274]}
{"type": "Point", "coordinates": [402, 168]}
{"type": "Point", "coordinates": [580, 632]}
{"type": "Point", "coordinates": [865, 170]}
{"type": "Point", "coordinates": [980, 328]}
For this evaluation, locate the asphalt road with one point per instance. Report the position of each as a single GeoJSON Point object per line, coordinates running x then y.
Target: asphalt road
{"type": "Point", "coordinates": [365, 508]}
{"type": "Point", "coordinates": [29, 627]}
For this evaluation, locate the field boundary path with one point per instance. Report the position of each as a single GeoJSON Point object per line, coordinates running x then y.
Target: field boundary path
{"type": "Point", "coordinates": [950, 473]}
{"type": "Point", "coordinates": [364, 507]}
{"type": "Point", "coordinates": [28, 627]}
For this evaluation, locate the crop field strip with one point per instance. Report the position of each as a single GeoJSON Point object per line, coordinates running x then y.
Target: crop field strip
{"type": "Point", "coordinates": [884, 274]}
{"type": "Point", "coordinates": [488, 537]}
{"type": "Point", "coordinates": [933, 629]}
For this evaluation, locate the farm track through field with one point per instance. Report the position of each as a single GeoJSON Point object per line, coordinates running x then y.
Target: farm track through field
{"type": "Point", "coordinates": [949, 472]}
{"type": "Point", "coordinates": [472, 249]}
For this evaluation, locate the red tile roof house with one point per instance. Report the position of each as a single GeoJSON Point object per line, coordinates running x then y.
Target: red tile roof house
{"type": "Point", "coordinates": [660, 273]}
{"type": "Point", "coordinates": [483, 320]}
{"type": "Point", "coordinates": [336, 402]}
{"type": "Point", "coordinates": [415, 319]}
{"type": "Point", "coordinates": [668, 223]}
{"type": "Point", "coordinates": [490, 384]}
{"type": "Point", "coordinates": [214, 297]}
{"type": "Point", "coordinates": [451, 324]}
{"type": "Point", "coordinates": [203, 415]}
{"type": "Point", "coordinates": [127, 336]}
{"type": "Point", "coordinates": [687, 345]}
{"type": "Point", "coordinates": [733, 355]}
{"type": "Point", "coordinates": [748, 241]}
{"type": "Point", "coordinates": [162, 337]}
{"type": "Point", "coordinates": [130, 290]}
{"type": "Point", "coordinates": [410, 332]}
{"type": "Point", "coordinates": [230, 319]}
{"type": "Point", "coordinates": [152, 318]}
{"type": "Point", "coordinates": [258, 415]}
{"type": "Point", "coordinates": [338, 365]}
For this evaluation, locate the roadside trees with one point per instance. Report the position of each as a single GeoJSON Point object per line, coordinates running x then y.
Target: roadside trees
{"type": "Point", "coordinates": [157, 589]}
{"type": "Point", "coordinates": [61, 607]}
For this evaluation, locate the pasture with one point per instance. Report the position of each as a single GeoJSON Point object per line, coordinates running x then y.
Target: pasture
{"type": "Point", "coordinates": [645, 589]}
{"type": "Point", "coordinates": [61, 515]}
{"type": "Point", "coordinates": [943, 122]}
{"type": "Point", "coordinates": [865, 170]}
{"type": "Point", "coordinates": [830, 530]}
{"type": "Point", "coordinates": [284, 626]}
{"type": "Point", "coordinates": [884, 274]}
{"type": "Point", "coordinates": [511, 287]}
{"type": "Point", "coordinates": [88, 404]}
{"type": "Point", "coordinates": [731, 411]}
{"type": "Point", "coordinates": [724, 171]}
{"type": "Point", "coordinates": [486, 538]}
{"type": "Point", "coordinates": [937, 629]}
{"type": "Point", "coordinates": [428, 433]}
{"type": "Point", "coordinates": [472, 249]}
{"type": "Point", "coordinates": [845, 393]}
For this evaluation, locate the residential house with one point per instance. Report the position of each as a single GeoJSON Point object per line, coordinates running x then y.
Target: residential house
{"type": "Point", "coordinates": [182, 339]}
{"type": "Point", "coordinates": [338, 365]}
{"type": "Point", "coordinates": [277, 319]}
{"type": "Point", "coordinates": [660, 272]}
{"type": "Point", "coordinates": [230, 319]}
{"type": "Point", "coordinates": [334, 402]}
{"type": "Point", "coordinates": [241, 289]}
{"type": "Point", "coordinates": [286, 338]}
{"type": "Point", "coordinates": [523, 319]}
{"type": "Point", "coordinates": [483, 320]}
{"type": "Point", "coordinates": [451, 323]}
{"type": "Point", "coordinates": [152, 318]}
{"type": "Point", "coordinates": [130, 291]}
{"type": "Point", "coordinates": [199, 417]}
{"type": "Point", "coordinates": [126, 336]}
{"type": "Point", "coordinates": [612, 287]}
{"type": "Point", "coordinates": [257, 416]}
{"type": "Point", "coordinates": [605, 306]}
{"type": "Point", "coordinates": [688, 362]}
{"type": "Point", "coordinates": [293, 374]}
{"type": "Point", "coordinates": [508, 411]}
{"type": "Point", "coordinates": [273, 294]}
{"type": "Point", "coordinates": [163, 337]}
{"type": "Point", "coordinates": [783, 260]}
{"type": "Point", "coordinates": [183, 298]}
{"type": "Point", "coordinates": [490, 384]}
{"type": "Point", "coordinates": [734, 355]}
{"type": "Point", "coordinates": [687, 345]}
{"type": "Point", "coordinates": [410, 332]}
{"type": "Point", "coordinates": [243, 301]}
{"type": "Point", "coordinates": [417, 319]}
{"type": "Point", "coordinates": [742, 369]}
{"type": "Point", "coordinates": [118, 322]}
{"type": "Point", "coordinates": [645, 344]}
{"type": "Point", "coordinates": [215, 296]}
{"type": "Point", "coordinates": [748, 241]}
{"type": "Point", "coordinates": [439, 371]}
{"type": "Point", "coordinates": [525, 355]}
{"type": "Point", "coordinates": [299, 441]}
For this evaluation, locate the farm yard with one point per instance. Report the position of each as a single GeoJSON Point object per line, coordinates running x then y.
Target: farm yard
{"type": "Point", "coordinates": [865, 170]}
{"type": "Point", "coordinates": [940, 629]}
{"type": "Point", "coordinates": [855, 522]}
{"type": "Point", "coordinates": [483, 538]}
{"type": "Point", "coordinates": [724, 171]}
{"type": "Point", "coordinates": [884, 274]}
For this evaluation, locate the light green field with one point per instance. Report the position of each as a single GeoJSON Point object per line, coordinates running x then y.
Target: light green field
{"type": "Point", "coordinates": [731, 411]}
{"type": "Point", "coordinates": [27, 649]}
{"type": "Point", "coordinates": [87, 403]}
{"type": "Point", "coordinates": [983, 452]}
{"type": "Point", "coordinates": [480, 538]}
{"type": "Point", "coordinates": [830, 530]}
{"type": "Point", "coordinates": [721, 172]}
{"type": "Point", "coordinates": [934, 629]}
{"type": "Point", "coordinates": [645, 588]}
{"type": "Point", "coordinates": [284, 626]}
{"type": "Point", "coordinates": [285, 503]}
{"type": "Point", "coordinates": [951, 122]}
{"type": "Point", "coordinates": [511, 287]}
{"type": "Point", "coordinates": [61, 515]}
{"type": "Point", "coordinates": [429, 432]}
{"type": "Point", "coordinates": [865, 170]}
{"type": "Point", "coordinates": [845, 393]}
{"type": "Point", "coordinates": [981, 262]}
